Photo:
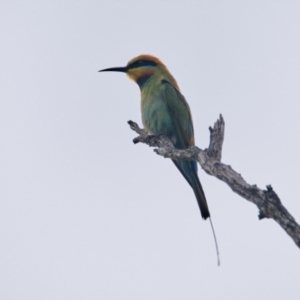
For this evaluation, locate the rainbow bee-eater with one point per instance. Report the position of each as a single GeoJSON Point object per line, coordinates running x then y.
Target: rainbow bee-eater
{"type": "Point", "coordinates": [165, 111]}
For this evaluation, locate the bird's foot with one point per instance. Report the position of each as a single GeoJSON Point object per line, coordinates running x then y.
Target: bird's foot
{"type": "Point", "coordinates": [151, 140]}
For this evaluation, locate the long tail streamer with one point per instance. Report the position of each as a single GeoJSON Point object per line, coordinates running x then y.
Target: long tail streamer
{"type": "Point", "coordinates": [216, 243]}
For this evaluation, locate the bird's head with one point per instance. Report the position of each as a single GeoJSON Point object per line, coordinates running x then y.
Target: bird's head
{"type": "Point", "coordinates": [142, 68]}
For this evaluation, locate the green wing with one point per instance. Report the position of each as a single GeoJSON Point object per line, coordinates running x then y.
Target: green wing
{"type": "Point", "coordinates": [180, 115]}
{"type": "Point", "coordinates": [183, 137]}
{"type": "Point", "coordinates": [165, 111]}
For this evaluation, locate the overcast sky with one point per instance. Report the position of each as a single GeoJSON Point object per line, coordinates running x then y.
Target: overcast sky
{"type": "Point", "coordinates": [84, 213]}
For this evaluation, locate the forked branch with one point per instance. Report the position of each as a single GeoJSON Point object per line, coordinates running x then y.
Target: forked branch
{"type": "Point", "coordinates": [267, 201]}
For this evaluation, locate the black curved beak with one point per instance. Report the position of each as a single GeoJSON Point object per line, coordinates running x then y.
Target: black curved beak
{"type": "Point", "coordinates": [117, 69]}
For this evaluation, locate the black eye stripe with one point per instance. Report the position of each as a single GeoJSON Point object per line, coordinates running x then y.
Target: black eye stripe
{"type": "Point", "coordinates": [142, 63]}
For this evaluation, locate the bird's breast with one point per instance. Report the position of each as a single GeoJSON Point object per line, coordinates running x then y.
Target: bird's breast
{"type": "Point", "coordinates": [156, 117]}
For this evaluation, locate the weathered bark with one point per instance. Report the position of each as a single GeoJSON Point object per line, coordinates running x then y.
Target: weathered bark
{"type": "Point", "coordinates": [267, 201]}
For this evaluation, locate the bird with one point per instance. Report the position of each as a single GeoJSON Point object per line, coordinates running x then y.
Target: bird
{"type": "Point", "coordinates": [165, 111]}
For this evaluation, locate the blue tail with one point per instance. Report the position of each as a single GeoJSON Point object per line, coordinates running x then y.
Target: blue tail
{"type": "Point", "coordinates": [189, 171]}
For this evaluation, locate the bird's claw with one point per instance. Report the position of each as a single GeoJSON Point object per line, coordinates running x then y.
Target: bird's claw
{"type": "Point", "coordinates": [151, 139]}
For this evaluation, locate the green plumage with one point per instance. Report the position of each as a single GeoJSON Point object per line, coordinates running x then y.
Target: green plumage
{"type": "Point", "coordinates": [165, 111]}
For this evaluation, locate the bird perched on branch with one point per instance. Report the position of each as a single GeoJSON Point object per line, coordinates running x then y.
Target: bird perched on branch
{"type": "Point", "coordinates": [165, 111]}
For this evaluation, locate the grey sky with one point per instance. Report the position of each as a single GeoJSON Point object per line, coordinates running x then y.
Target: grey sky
{"type": "Point", "coordinates": [84, 213]}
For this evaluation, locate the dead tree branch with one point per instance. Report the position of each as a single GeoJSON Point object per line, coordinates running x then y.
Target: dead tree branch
{"type": "Point", "coordinates": [267, 201]}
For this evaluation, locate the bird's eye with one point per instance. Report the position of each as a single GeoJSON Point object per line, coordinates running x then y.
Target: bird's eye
{"type": "Point", "coordinates": [141, 62]}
